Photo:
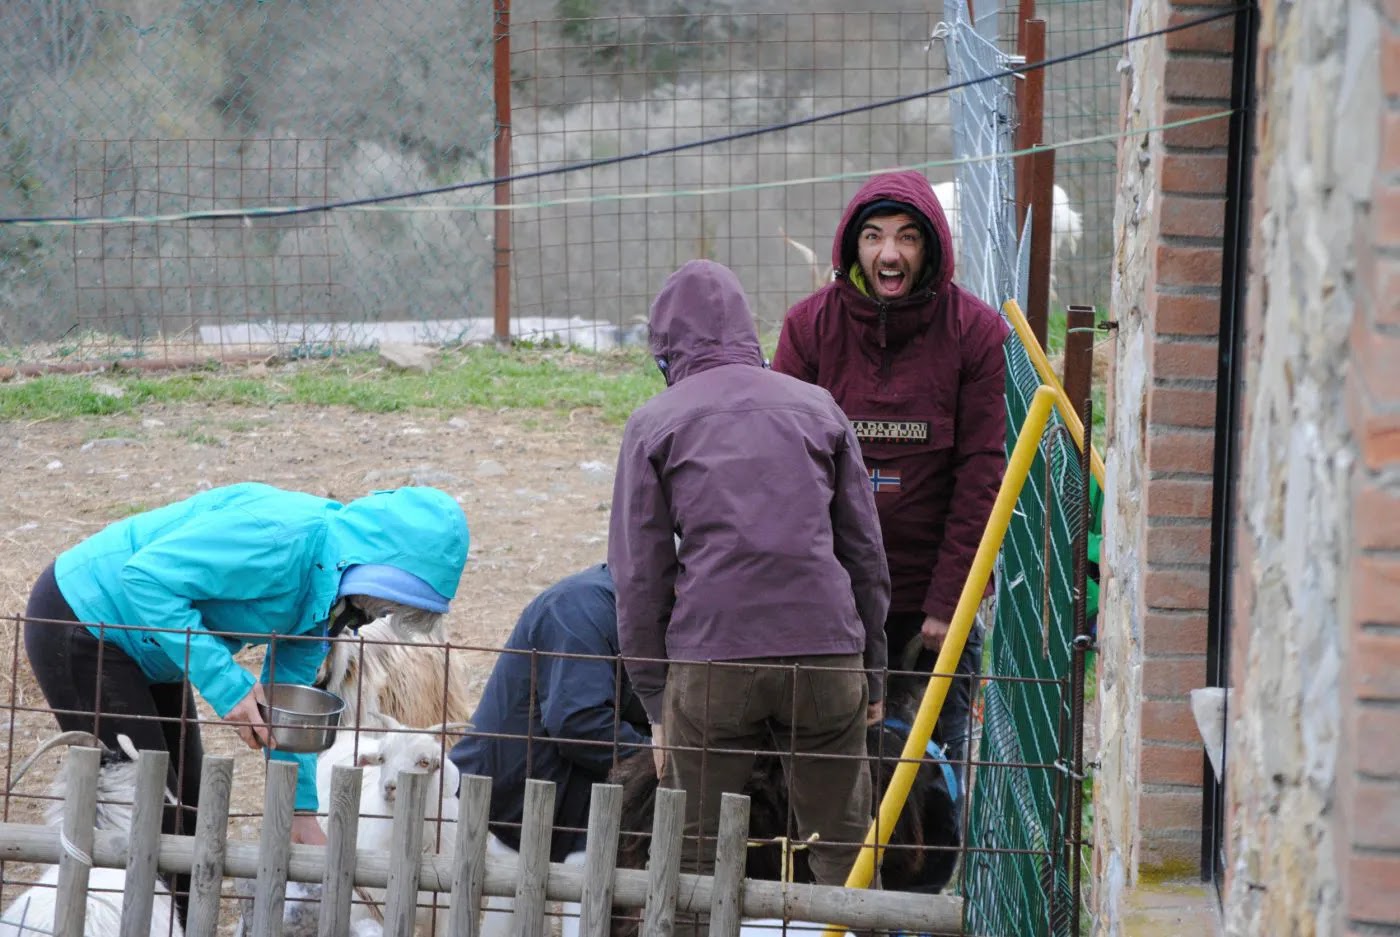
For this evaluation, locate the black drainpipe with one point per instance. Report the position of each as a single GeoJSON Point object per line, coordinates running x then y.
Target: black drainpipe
{"type": "Point", "coordinates": [1227, 413]}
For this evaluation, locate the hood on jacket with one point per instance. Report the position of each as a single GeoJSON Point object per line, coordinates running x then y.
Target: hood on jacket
{"type": "Point", "coordinates": [913, 189]}
{"type": "Point", "coordinates": [700, 320]}
{"type": "Point", "coordinates": [418, 530]}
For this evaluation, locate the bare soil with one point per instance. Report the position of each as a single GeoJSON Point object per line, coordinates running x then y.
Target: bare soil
{"type": "Point", "coordinates": [536, 488]}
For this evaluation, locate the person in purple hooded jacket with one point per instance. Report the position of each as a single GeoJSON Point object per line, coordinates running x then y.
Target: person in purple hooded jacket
{"type": "Point", "coordinates": [917, 364]}
{"type": "Point", "coordinates": [751, 583]}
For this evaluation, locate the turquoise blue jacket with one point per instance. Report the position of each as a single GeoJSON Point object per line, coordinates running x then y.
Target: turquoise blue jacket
{"type": "Point", "coordinates": [250, 564]}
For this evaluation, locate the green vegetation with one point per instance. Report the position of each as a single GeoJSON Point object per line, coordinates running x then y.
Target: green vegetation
{"type": "Point", "coordinates": [612, 385]}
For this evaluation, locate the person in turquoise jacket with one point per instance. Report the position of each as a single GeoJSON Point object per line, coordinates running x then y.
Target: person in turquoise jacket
{"type": "Point", "coordinates": [167, 597]}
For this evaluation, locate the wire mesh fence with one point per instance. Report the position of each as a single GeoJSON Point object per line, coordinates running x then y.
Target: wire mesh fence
{"type": "Point", "coordinates": [152, 110]}
{"type": "Point", "coordinates": [141, 114]}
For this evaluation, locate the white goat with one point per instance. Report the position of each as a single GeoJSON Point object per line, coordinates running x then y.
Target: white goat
{"type": "Point", "coordinates": [1066, 224]}
{"type": "Point", "coordinates": [385, 755]}
{"type": "Point", "coordinates": [416, 684]}
{"type": "Point", "coordinates": [34, 911]}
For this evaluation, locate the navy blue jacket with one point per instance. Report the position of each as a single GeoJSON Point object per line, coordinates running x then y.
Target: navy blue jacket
{"type": "Point", "coordinates": [552, 717]}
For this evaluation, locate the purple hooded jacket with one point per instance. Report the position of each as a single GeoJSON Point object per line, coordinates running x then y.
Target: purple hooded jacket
{"type": "Point", "coordinates": [923, 379]}
{"type": "Point", "coordinates": [743, 524]}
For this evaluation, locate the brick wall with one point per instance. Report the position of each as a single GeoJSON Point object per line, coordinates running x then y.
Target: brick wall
{"type": "Point", "coordinates": [1180, 433]}
{"type": "Point", "coordinates": [1369, 760]}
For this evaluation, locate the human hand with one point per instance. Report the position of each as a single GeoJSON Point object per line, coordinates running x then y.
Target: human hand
{"type": "Point", "coordinates": [244, 717]}
{"type": "Point", "coordinates": [307, 830]}
{"type": "Point", "coordinates": [875, 713]}
{"type": "Point", "coordinates": [935, 632]}
{"type": "Point", "coordinates": [658, 748]}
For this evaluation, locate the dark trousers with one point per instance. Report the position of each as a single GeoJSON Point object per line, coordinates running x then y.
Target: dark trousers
{"type": "Point", "coordinates": [93, 686]}
{"type": "Point", "coordinates": [954, 722]}
{"type": "Point", "coordinates": [816, 714]}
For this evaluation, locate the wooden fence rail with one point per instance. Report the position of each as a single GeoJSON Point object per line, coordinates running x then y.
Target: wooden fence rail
{"type": "Point", "coordinates": [463, 870]}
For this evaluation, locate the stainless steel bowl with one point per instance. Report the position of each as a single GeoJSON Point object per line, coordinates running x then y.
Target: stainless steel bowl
{"type": "Point", "coordinates": [303, 718]}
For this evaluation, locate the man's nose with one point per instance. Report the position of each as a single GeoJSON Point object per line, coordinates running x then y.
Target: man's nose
{"type": "Point", "coordinates": [889, 251]}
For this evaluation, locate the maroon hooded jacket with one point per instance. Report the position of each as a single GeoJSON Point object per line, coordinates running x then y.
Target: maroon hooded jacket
{"type": "Point", "coordinates": [743, 524]}
{"type": "Point", "coordinates": [922, 379]}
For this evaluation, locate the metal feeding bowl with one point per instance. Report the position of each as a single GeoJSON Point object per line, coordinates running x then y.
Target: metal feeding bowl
{"type": "Point", "coordinates": [303, 718]}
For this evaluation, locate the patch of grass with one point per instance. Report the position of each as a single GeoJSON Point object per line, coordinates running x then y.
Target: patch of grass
{"type": "Point", "coordinates": [129, 509]}
{"type": "Point", "coordinates": [611, 384]}
{"type": "Point", "coordinates": [200, 438]}
{"type": "Point", "coordinates": [112, 432]}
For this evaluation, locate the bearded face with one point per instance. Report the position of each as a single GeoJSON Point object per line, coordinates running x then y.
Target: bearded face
{"type": "Point", "coordinates": [891, 252]}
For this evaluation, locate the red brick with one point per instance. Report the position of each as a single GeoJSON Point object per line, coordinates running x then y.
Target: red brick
{"type": "Point", "coordinates": [1181, 451]}
{"type": "Point", "coordinates": [1376, 673]}
{"type": "Point", "coordinates": [1170, 811]}
{"type": "Point", "coordinates": [1385, 208]}
{"type": "Point", "coordinates": [1377, 728]}
{"type": "Point", "coordinates": [1178, 360]}
{"type": "Point", "coordinates": [1378, 434]}
{"type": "Point", "coordinates": [1216, 36]}
{"type": "Point", "coordinates": [1182, 406]}
{"type": "Point", "coordinates": [1194, 174]}
{"type": "Point", "coordinates": [1176, 588]}
{"type": "Point", "coordinates": [1378, 804]}
{"type": "Point", "coordinates": [1390, 143]}
{"type": "Point", "coordinates": [1179, 497]}
{"type": "Point", "coordinates": [1194, 79]}
{"type": "Point", "coordinates": [1169, 721]}
{"type": "Point", "coordinates": [1188, 266]}
{"type": "Point", "coordinates": [1168, 634]}
{"type": "Point", "coordinates": [1386, 303]}
{"type": "Point", "coordinates": [1373, 888]}
{"type": "Point", "coordinates": [1390, 62]}
{"type": "Point", "coordinates": [1194, 314]}
{"type": "Point", "coordinates": [1377, 358]}
{"type": "Point", "coordinates": [1375, 592]}
{"type": "Point", "coordinates": [1171, 764]}
{"type": "Point", "coordinates": [1191, 217]}
{"type": "Point", "coordinates": [1203, 135]}
{"type": "Point", "coordinates": [1376, 515]}
{"type": "Point", "coordinates": [1173, 678]}
{"type": "Point", "coordinates": [1178, 543]}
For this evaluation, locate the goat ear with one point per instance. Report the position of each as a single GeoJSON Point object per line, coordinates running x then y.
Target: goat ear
{"type": "Point", "coordinates": [127, 746]}
{"type": "Point", "coordinates": [369, 759]}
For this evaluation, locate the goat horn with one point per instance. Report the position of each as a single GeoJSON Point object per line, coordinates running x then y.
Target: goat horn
{"type": "Point", "coordinates": [63, 738]}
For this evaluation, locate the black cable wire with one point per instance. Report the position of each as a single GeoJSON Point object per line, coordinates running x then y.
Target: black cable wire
{"type": "Point", "coordinates": [663, 151]}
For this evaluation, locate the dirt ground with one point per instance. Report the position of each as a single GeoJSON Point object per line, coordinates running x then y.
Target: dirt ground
{"type": "Point", "coordinates": [536, 488]}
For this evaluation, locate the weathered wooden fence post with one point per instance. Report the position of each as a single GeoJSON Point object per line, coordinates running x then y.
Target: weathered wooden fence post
{"type": "Point", "coordinates": [79, 818]}
{"type": "Point", "coordinates": [664, 863]}
{"type": "Point", "coordinates": [211, 831]}
{"type": "Point", "coordinates": [536, 831]}
{"type": "Point", "coordinates": [401, 898]}
{"type": "Point", "coordinates": [146, 811]}
{"type": "Point", "coordinates": [600, 860]}
{"type": "Point", "coordinates": [731, 852]}
{"type": "Point", "coordinates": [274, 848]}
{"type": "Point", "coordinates": [342, 828]}
{"type": "Point", "coordinates": [470, 873]}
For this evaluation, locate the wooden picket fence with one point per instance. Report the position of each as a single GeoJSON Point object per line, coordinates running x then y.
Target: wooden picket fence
{"type": "Point", "coordinates": [467, 874]}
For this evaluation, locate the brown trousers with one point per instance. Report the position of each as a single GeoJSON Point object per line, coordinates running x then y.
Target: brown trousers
{"type": "Point", "coordinates": [817, 714]}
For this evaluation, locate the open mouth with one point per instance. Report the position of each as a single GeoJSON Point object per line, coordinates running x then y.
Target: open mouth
{"type": "Point", "coordinates": [890, 282]}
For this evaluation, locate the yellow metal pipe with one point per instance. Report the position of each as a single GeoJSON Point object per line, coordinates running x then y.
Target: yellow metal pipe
{"type": "Point", "coordinates": [1017, 469]}
{"type": "Point", "coordinates": [1048, 376]}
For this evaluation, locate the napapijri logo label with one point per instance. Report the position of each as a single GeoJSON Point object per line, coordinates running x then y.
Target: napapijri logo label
{"type": "Point", "coordinates": [891, 430]}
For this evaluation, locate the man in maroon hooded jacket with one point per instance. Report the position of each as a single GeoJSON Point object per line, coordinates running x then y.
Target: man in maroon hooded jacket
{"type": "Point", "coordinates": [751, 582]}
{"type": "Point", "coordinates": [917, 364]}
